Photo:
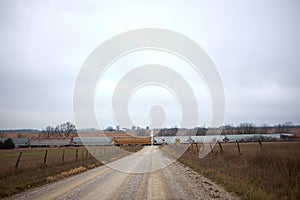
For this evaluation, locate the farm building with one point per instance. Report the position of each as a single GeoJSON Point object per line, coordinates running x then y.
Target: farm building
{"type": "Point", "coordinates": [187, 139]}
{"type": "Point", "coordinates": [48, 142]}
{"type": "Point", "coordinates": [92, 141]}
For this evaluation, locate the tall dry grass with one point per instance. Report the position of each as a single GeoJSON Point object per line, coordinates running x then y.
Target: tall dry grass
{"type": "Point", "coordinates": [33, 158]}
{"type": "Point", "coordinates": [32, 171]}
{"type": "Point", "coordinates": [271, 173]}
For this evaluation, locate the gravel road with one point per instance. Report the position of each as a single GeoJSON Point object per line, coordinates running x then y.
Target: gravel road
{"type": "Point", "coordinates": [133, 177]}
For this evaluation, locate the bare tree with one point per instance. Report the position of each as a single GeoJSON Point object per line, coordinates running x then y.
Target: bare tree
{"type": "Point", "coordinates": [264, 129]}
{"type": "Point", "coordinates": [65, 129]}
{"type": "Point", "coordinates": [284, 128]}
{"type": "Point", "coordinates": [201, 131]}
{"type": "Point", "coordinates": [58, 131]}
{"type": "Point", "coordinates": [49, 131]}
{"type": "Point", "coordinates": [227, 130]}
{"type": "Point", "coordinates": [247, 128]}
{"type": "Point", "coordinates": [69, 129]}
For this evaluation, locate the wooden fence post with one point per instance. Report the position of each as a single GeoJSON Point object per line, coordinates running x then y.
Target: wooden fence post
{"type": "Point", "coordinates": [45, 157]}
{"type": "Point", "coordinates": [86, 153]}
{"type": "Point", "coordinates": [211, 148]}
{"type": "Point", "coordinates": [260, 144]}
{"type": "Point", "coordinates": [63, 156]}
{"type": "Point", "coordinates": [197, 147]}
{"type": "Point", "coordinates": [76, 154]}
{"type": "Point", "coordinates": [238, 146]}
{"type": "Point", "coordinates": [18, 160]}
{"type": "Point", "coordinates": [221, 148]}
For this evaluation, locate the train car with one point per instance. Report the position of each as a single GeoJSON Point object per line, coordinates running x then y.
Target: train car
{"type": "Point", "coordinates": [297, 136]}
{"type": "Point", "coordinates": [126, 140]}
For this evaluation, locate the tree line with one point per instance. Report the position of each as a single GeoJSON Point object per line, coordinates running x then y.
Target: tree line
{"type": "Point", "coordinates": [62, 130]}
{"type": "Point", "coordinates": [242, 128]}
{"type": "Point", "coordinates": [250, 128]}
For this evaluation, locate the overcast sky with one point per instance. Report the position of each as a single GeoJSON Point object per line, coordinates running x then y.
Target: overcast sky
{"type": "Point", "coordinates": [254, 45]}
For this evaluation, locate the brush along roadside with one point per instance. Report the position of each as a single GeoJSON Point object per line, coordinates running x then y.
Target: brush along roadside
{"type": "Point", "coordinates": [271, 172]}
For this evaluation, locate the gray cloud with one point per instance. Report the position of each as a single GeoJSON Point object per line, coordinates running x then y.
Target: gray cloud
{"type": "Point", "coordinates": [255, 45]}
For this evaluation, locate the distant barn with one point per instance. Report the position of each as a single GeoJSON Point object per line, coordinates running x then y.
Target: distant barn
{"type": "Point", "coordinates": [92, 141]}
{"type": "Point", "coordinates": [48, 142]}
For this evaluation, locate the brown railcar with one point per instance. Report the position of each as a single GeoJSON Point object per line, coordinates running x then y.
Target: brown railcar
{"type": "Point", "coordinates": [131, 140]}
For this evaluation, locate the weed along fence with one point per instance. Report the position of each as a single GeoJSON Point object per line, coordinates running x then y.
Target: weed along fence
{"type": "Point", "coordinates": [24, 159]}
{"type": "Point", "coordinates": [17, 160]}
{"type": "Point", "coordinates": [253, 170]}
{"type": "Point", "coordinates": [218, 147]}
{"type": "Point", "coordinates": [239, 149]}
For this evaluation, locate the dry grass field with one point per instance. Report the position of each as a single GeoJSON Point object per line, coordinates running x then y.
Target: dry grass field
{"type": "Point", "coordinates": [33, 172]}
{"type": "Point", "coordinates": [269, 173]}
{"type": "Point", "coordinates": [33, 158]}
{"type": "Point", "coordinates": [25, 179]}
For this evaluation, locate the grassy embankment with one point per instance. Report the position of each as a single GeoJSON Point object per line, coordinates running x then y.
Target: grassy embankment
{"type": "Point", "coordinates": [270, 173]}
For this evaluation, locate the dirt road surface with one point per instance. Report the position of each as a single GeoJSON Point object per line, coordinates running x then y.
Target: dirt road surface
{"type": "Point", "coordinates": [133, 177]}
